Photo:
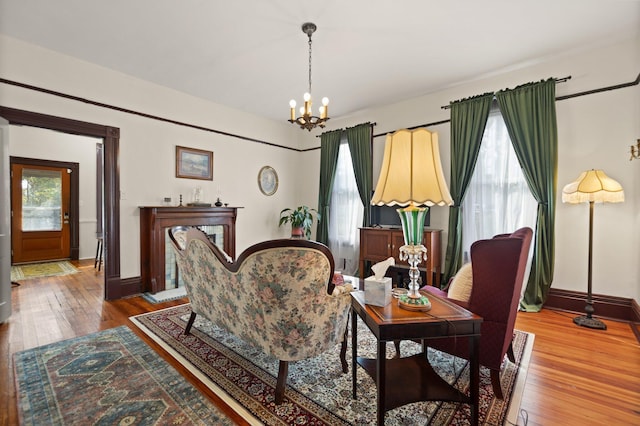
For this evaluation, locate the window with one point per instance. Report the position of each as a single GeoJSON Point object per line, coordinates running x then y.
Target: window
{"type": "Point", "coordinates": [41, 200]}
{"type": "Point", "coordinates": [498, 199]}
{"type": "Point", "coordinates": [346, 214]}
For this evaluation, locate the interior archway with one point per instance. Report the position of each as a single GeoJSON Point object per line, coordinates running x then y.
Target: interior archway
{"type": "Point", "coordinates": [114, 287]}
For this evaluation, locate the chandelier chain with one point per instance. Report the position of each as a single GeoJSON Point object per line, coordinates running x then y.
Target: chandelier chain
{"type": "Point", "coordinates": [309, 63]}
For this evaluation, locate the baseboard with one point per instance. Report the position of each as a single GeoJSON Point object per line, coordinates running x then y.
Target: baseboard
{"type": "Point", "coordinates": [612, 307]}
{"type": "Point", "coordinates": [125, 287]}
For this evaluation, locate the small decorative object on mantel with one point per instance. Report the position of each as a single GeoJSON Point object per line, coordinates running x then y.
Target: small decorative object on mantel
{"type": "Point", "coordinates": [635, 151]}
{"type": "Point", "coordinates": [218, 203]}
{"type": "Point", "coordinates": [197, 199]}
{"type": "Point", "coordinates": [198, 204]}
{"type": "Point", "coordinates": [268, 180]}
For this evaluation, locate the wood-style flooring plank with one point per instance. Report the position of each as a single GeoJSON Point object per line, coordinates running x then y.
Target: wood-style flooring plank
{"type": "Point", "coordinates": [577, 376]}
{"type": "Point", "coordinates": [581, 376]}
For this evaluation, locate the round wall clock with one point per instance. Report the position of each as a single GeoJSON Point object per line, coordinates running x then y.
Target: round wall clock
{"type": "Point", "coordinates": [268, 180]}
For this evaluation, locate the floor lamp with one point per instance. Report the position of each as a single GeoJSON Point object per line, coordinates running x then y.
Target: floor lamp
{"type": "Point", "coordinates": [411, 176]}
{"type": "Point", "coordinates": [592, 186]}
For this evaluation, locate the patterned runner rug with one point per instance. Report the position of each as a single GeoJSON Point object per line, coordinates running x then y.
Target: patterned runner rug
{"type": "Point", "coordinates": [37, 270]}
{"type": "Point", "coordinates": [317, 391]}
{"type": "Point", "coordinates": [106, 378]}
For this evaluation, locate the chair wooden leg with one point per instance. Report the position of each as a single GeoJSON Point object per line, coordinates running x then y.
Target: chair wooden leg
{"type": "Point", "coordinates": [98, 261]}
{"type": "Point", "coordinates": [192, 318]}
{"type": "Point", "coordinates": [343, 349]}
{"type": "Point", "coordinates": [510, 354]}
{"type": "Point", "coordinates": [495, 383]}
{"type": "Point", "coordinates": [283, 370]}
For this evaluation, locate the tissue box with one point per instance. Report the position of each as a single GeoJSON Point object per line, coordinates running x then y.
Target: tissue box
{"type": "Point", "coordinates": [377, 291]}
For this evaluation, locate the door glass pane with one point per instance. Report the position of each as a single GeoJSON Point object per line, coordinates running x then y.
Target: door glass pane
{"type": "Point", "coordinates": [41, 200]}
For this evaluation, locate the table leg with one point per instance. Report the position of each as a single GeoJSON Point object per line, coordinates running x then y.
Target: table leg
{"type": "Point", "coordinates": [381, 362]}
{"type": "Point", "coordinates": [474, 373]}
{"type": "Point", "coordinates": [354, 352]}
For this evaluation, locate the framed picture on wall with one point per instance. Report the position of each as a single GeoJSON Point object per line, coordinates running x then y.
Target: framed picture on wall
{"type": "Point", "coordinates": [194, 163]}
{"type": "Point", "coordinates": [268, 180]}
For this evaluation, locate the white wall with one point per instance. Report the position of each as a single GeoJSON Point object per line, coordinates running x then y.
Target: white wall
{"type": "Point", "coordinates": [595, 131]}
{"type": "Point", "coordinates": [147, 147]}
{"type": "Point", "coordinates": [31, 142]}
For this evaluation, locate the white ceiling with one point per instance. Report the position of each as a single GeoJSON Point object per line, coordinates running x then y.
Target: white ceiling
{"type": "Point", "coordinates": [252, 54]}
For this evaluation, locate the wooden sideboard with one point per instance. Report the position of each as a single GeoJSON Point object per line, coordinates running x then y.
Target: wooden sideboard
{"type": "Point", "coordinates": [153, 224]}
{"type": "Point", "coordinates": [378, 244]}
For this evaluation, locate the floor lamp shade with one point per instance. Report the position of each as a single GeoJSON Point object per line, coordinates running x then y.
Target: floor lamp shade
{"type": "Point", "coordinates": [592, 186]}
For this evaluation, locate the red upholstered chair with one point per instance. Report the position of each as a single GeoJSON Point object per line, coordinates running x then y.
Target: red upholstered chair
{"type": "Point", "coordinates": [498, 267]}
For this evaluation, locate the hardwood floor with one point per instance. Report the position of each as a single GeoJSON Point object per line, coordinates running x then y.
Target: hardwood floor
{"type": "Point", "coordinates": [577, 376]}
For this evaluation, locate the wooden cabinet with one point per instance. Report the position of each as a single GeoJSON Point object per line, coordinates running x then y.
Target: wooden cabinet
{"type": "Point", "coordinates": [378, 244]}
{"type": "Point", "coordinates": [154, 222]}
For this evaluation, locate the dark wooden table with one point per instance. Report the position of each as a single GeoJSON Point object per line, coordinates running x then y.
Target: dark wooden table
{"type": "Point", "coordinates": [401, 381]}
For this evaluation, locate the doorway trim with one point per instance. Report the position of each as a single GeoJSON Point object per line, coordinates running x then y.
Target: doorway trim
{"type": "Point", "coordinates": [74, 194]}
{"type": "Point", "coordinates": [114, 287]}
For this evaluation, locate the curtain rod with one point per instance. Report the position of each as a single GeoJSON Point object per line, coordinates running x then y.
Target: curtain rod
{"type": "Point", "coordinates": [559, 98]}
{"type": "Point", "coordinates": [558, 80]}
{"type": "Point", "coordinates": [435, 123]}
{"type": "Point", "coordinates": [371, 124]}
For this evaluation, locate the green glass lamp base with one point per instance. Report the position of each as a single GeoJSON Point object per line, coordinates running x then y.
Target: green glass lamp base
{"type": "Point", "coordinates": [409, 303]}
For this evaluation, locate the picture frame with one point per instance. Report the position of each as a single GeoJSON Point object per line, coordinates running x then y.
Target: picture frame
{"type": "Point", "coordinates": [192, 163]}
{"type": "Point", "coordinates": [268, 180]}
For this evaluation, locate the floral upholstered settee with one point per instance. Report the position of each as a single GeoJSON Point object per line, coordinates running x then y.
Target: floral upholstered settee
{"type": "Point", "coordinates": [277, 295]}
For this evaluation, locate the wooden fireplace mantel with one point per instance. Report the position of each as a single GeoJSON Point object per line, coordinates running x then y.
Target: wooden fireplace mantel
{"type": "Point", "coordinates": [153, 222]}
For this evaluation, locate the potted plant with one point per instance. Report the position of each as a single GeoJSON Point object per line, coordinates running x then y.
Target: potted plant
{"type": "Point", "coordinates": [301, 220]}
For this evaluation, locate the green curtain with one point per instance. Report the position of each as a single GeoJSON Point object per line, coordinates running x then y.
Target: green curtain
{"type": "Point", "coordinates": [359, 140]}
{"type": "Point", "coordinates": [329, 148]}
{"type": "Point", "coordinates": [468, 120]}
{"type": "Point", "coordinates": [529, 112]}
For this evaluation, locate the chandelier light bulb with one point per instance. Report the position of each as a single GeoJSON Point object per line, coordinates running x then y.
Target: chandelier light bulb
{"type": "Point", "coordinates": [325, 101]}
{"type": "Point", "coordinates": [301, 110]}
{"type": "Point", "coordinates": [292, 103]}
{"type": "Point", "coordinates": [307, 97]}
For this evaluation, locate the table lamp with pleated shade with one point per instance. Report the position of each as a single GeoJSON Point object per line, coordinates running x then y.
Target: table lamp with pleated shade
{"type": "Point", "coordinates": [411, 177]}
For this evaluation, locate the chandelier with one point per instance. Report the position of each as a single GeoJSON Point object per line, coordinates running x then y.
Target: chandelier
{"type": "Point", "coordinates": [307, 120]}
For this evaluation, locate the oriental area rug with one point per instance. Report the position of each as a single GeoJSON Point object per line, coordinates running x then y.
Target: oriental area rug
{"type": "Point", "coordinates": [37, 270]}
{"type": "Point", "coordinates": [317, 392]}
{"type": "Point", "coordinates": [106, 378]}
